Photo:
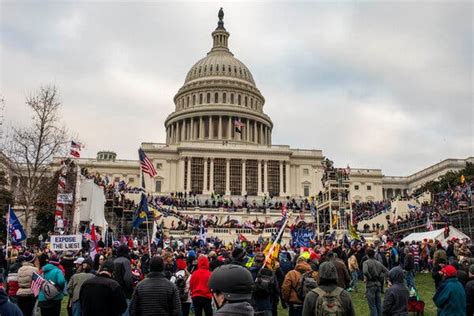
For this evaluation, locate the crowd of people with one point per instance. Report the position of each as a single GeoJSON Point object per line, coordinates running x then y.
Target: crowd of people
{"type": "Point", "coordinates": [210, 277]}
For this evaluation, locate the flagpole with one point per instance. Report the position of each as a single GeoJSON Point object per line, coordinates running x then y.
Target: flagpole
{"type": "Point", "coordinates": [142, 182]}
{"type": "Point", "coordinates": [8, 231]}
{"type": "Point", "coordinates": [280, 233]}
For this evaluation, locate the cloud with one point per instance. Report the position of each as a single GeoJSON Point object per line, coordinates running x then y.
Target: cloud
{"type": "Point", "coordinates": [373, 84]}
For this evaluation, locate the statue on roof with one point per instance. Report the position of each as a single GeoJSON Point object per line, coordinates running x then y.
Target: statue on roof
{"type": "Point", "coordinates": [220, 15]}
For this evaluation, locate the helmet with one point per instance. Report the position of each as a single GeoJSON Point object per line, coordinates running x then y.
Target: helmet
{"type": "Point", "coordinates": [234, 281]}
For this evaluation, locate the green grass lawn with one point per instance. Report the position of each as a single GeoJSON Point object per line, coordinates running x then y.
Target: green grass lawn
{"type": "Point", "coordinates": [424, 283]}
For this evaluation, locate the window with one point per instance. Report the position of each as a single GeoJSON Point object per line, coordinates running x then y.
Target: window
{"type": "Point", "coordinates": [224, 97]}
{"type": "Point", "coordinates": [369, 187]}
{"type": "Point", "coordinates": [194, 99]}
{"type": "Point", "coordinates": [246, 101]}
{"type": "Point", "coordinates": [208, 97]}
{"type": "Point", "coordinates": [306, 190]}
{"type": "Point", "coordinates": [216, 97]}
{"type": "Point", "coordinates": [200, 98]}
{"type": "Point", "coordinates": [158, 186]}
{"type": "Point", "coordinates": [356, 187]}
{"type": "Point", "coordinates": [305, 171]}
{"type": "Point", "coordinates": [187, 101]}
{"type": "Point", "coordinates": [273, 177]}
{"type": "Point", "coordinates": [239, 100]}
{"type": "Point", "coordinates": [231, 98]}
{"type": "Point", "coordinates": [159, 165]}
{"type": "Point", "coordinates": [131, 180]}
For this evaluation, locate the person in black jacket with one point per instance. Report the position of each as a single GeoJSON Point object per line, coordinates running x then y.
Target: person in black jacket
{"type": "Point", "coordinates": [409, 267]}
{"type": "Point", "coordinates": [396, 297]}
{"type": "Point", "coordinates": [470, 292]}
{"type": "Point", "coordinates": [123, 272]}
{"type": "Point", "coordinates": [102, 295]}
{"type": "Point", "coordinates": [155, 295]}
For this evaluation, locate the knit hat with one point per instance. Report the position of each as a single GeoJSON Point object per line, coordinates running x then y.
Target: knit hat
{"type": "Point", "coordinates": [157, 264]}
{"type": "Point", "coordinates": [238, 254]}
{"type": "Point", "coordinates": [28, 256]}
{"type": "Point", "coordinates": [328, 271]}
{"type": "Point", "coordinates": [108, 266]}
{"type": "Point", "coordinates": [449, 271]}
{"type": "Point", "coordinates": [54, 260]}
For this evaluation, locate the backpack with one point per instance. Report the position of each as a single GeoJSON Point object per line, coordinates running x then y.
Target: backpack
{"type": "Point", "coordinates": [328, 303]}
{"type": "Point", "coordinates": [305, 284]}
{"type": "Point", "coordinates": [50, 290]}
{"type": "Point", "coordinates": [263, 283]}
{"type": "Point", "coordinates": [180, 283]}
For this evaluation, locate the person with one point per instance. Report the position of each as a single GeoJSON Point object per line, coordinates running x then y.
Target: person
{"type": "Point", "coordinates": [354, 270]}
{"type": "Point", "coordinates": [155, 295]}
{"type": "Point", "coordinates": [102, 295]}
{"type": "Point", "coordinates": [181, 279]}
{"type": "Point", "coordinates": [469, 289]}
{"type": "Point", "coordinates": [198, 285]}
{"type": "Point", "coordinates": [450, 298]}
{"type": "Point", "coordinates": [26, 299]}
{"type": "Point", "coordinates": [76, 281]}
{"type": "Point", "coordinates": [266, 291]}
{"type": "Point", "coordinates": [343, 278]}
{"type": "Point", "coordinates": [290, 283]}
{"type": "Point", "coordinates": [51, 307]}
{"type": "Point", "coordinates": [68, 263]}
{"type": "Point", "coordinates": [436, 271]}
{"type": "Point", "coordinates": [7, 307]}
{"type": "Point", "coordinates": [374, 272]}
{"type": "Point", "coordinates": [123, 273]}
{"type": "Point", "coordinates": [396, 297]}
{"type": "Point", "coordinates": [409, 267]}
{"type": "Point", "coordinates": [328, 297]}
{"type": "Point", "coordinates": [238, 256]}
{"type": "Point", "coordinates": [231, 286]}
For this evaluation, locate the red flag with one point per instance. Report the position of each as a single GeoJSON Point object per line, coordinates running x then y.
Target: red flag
{"type": "Point", "coordinates": [74, 153]}
{"type": "Point", "coordinates": [93, 235]}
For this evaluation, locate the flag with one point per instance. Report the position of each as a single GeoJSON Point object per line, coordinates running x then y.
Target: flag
{"type": "Point", "coordinates": [394, 218]}
{"type": "Point", "coordinates": [93, 242]}
{"type": "Point", "coordinates": [346, 241]}
{"type": "Point", "coordinates": [76, 145]}
{"type": "Point", "coordinates": [242, 238]}
{"type": "Point", "coordinates": [334, 219]}
{"type": "Point", "coordinates": [271, 254]}
{"type": "Point", "coordinates": [283, 211]}
{"type": "Point", "coordinates": [429, 225]}
{"type": "Point", "coordinates": [313, 209]}
{"type": "Point", "coordinates": [15, 229]}
{"type": "Point", "coordinates": [411, 206]}
{"type": "Point", "coordinates": [146, 164]}
{"type": "Point", "coordinates": [36, 283]}
{"type": "Point", "coordinates": [446, 231]}
{"type": "Point", "coordinates": [202, 231]}
{"type": "Point", "coordinates": [238, 126]}
{"type": "Point", "coordinates": [332, 237]}
{"type": "Point", "coordinates": [353, 232]}
{"type": "Point", "coordinates": [463, 179]}
{"type": "Point", "coordinates": [141, 212]}
{"type": "Point", "coordinates": [74, 153]}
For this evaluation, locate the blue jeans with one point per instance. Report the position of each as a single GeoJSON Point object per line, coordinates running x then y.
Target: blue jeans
{"type": "Point", "coordinates": [295, 310]}
{"type": "Point", "coordinates": [373, 298]}
{"type": "Point", "coordinates": [128, 307]}
{"type": "Point", "coordinates": [355, 280]}
{"type": "Point", "coordinates": [76, 308]}
{"type": "Point", "coordinates": [410, 279]}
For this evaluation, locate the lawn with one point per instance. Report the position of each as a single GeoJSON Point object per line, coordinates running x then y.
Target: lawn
{"type": "Point", "coordinates": [424, 283]}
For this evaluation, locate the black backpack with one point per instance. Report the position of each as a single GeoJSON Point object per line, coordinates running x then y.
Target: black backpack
{"type": "Point", "coordinates": [305, 284]}
{"type": "Point", "coordinates": [180, 283]}
{"type": "Point", "coordinates": [263, 283]}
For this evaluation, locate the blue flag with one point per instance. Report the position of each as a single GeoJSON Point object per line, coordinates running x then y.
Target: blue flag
{"type": "Point", "coordinates": [15, 229]}
{"type": "Point", "coordinates": [141, 212]}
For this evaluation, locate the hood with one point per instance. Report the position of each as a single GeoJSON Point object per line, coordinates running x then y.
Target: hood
{"type": "Point", "coordinates": [396, 275]}
{"type": "Point", "coordinates": [203, 263]}
{"type": "Point", "coordinates": [302, 267]}
{"type": "Point", "coordinates": [48, 267]}
{"type": "Point", "coordinates": [238, 308]}
{"type": "Point", "coordinates": [3, 297]}
{"type": "Point", "coordinates": [123, 251]}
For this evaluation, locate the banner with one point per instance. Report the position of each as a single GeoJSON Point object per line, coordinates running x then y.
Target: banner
{"type": "Point", "coordinates": [302, 237]}
{"type": "Point", "coordinates": [65, 198]}
{"type": "Point", "coordinates": [66, 242]}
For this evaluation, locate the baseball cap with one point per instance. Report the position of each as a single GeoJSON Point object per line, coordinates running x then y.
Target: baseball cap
{"type": "Point", "coordinates": [79, 260]}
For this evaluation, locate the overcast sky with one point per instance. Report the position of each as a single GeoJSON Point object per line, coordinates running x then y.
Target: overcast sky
{"type": "Point", "coordinates": [373, 84]}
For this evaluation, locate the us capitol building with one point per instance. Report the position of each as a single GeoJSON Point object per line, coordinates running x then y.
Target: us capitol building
{"type": "Point", "coordinates": [219, 140]}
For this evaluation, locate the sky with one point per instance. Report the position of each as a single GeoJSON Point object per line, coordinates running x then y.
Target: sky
{"type": "Point", "coordinates": [373, 84]}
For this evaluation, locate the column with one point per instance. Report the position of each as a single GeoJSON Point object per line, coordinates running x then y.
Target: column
{"type": "Point", "coordinates": [261, 134]}
{"type": "Point", "coordinates": [210, 128]}
{"type": "Point", "coordinates": [265, 177]}
{"type": "Point", "coordinates": [181, 175]}
{"type": "Point", "coordinates": [244, 189]}
{"type": "Point", "coordinates": [287, 171]}
{"type": "Point", "coordinates": [183, 130]}
{"type": "Point", "coordinates": [229, 128]}
{"type": "Point", "coordinates": [227, 177]}
{"type": "Point", "coordinates": [188, 185]}
{"type": "Point", "coordinates": [171, 133]}
{"type": "Point", "coordinates": [201, 128]}
{"type": "Point", "coordinates": [204, 189]}
{"type": "Point", "coordinates": [211, 176]}
{"type": "Point", "coordinates": [247, 131]}
{"type": "Point", "coordinates": [259, 177]}
{"type": "Point", "coordinates": [219, 131]}
{"type": "Point", "coordinates": [255, 136]}
{"type": "Point", "coordinates": [192, 129]}
{"type": "Point", "coordinates": [281, 179]}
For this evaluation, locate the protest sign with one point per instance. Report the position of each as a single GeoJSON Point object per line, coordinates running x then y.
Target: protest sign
{"type": "Point", "coordinates": [66, 242]}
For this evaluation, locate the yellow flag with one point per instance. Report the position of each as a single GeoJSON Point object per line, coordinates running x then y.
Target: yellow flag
{"type": "Point", "coordinates": [353, 233]}
{"type": "Point", "coordinates": [462, 179]}
{"type": "Point", "coordinates": [334, 219]}
{"type": "Point", "coordinates": [272, 258]}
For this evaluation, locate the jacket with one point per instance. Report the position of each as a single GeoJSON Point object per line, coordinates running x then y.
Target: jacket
{"type": "Point", "coordinates": [450, 298]}
{"type": "Point", "coordinates": [68, 265]}
{"type": "Point", "coordinates": [75, 284]}
{"type": "Point", "coordinates": [7, 307]}
{"type": "Point", "coordinates": [343, 277]}
{"type": "Point", "coordinates": [12, 283]}
{"type": "Point", "coordinates": [469, 289]}
{"type": "Point", "coordinates": [235, 309]}
{"type": "Point", "coordinates": [396, 297]}
{"type": "Point", "coordinates": [352, 263]}
{"type": "Point", "coordinates": [267, 301]}
{"type": "Point", "coordinates": [123, 275]}
{"type": "Point", "coordinates": [200, 278]}
{"type": "Point", "coordinates": [53, 274]}
{"type": "Point", "coordinates": [288, 288]}
{"type": "Point", "coordinates": [374, 272]}
{"type": "Point", "coordinates": [155, 295]}
{"type": "Point", "coordinates": [409, 263]}
{"type": "Point", "coordinates": [102, 295]}
{"type": "Point", "coordinates": [24, 279]}
{"type": "Point", "coordinates": [311, 298]}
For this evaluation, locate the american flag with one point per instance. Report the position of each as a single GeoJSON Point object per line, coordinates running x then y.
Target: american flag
{"type": "Point", "coordinates": [36, 283]}
{"type": "Point", "coordinates": [146, 164]}
{"type": "Point", "coordinates": [283, 210]}
{"type": "Point", "coordinates": [238, 126]}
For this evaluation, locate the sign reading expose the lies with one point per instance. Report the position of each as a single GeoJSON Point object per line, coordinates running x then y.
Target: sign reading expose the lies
{"type": "Point", "coordinates": [66, 242]}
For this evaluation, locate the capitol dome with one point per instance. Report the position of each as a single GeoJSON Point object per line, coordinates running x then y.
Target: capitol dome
{"type": "Point", "coordinates": [219, 100]}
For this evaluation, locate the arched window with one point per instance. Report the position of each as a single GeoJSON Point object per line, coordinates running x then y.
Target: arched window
{"type": "Point", "coordinates": [216, 97]}
{"type": "Point", "coordinates": [200, 98]}
{"type": "Point", "coordinates": [194, 99]}
{"type": "Point", "coordinates": [246, 101]}
{"type": "Point", "coordinates": [231, 98]}
{"type": "Point", "coordinates": [251, 103]}
{"type": "Point", "coordinates": [217, 67]}
{"type": "Point", "coordinates": [235, 69]}
{"type": "Point", "coordinates": [239, 99]}
{"type": "Point", "coordinates": [230, 69]}
{"type": "Point", "coordinates": [224, 98]}
{"type": "Point", "coordinates": [187, 101]}
{"type": "Point", "coordinates": [205, 68]}
{"type": "Point", "coordinates": [208, 97]}
{"type": "Point", "coordinates": [199, 69]}
{"type": "Point", "coordinates": [211, 68]}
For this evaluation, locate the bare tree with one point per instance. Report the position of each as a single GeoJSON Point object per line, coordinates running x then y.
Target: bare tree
{"type": "Point", "coordinates": [33, 148]}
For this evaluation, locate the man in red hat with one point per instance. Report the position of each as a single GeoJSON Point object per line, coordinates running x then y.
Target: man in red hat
{"type": "Point", "coordinates": [450, 297]}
